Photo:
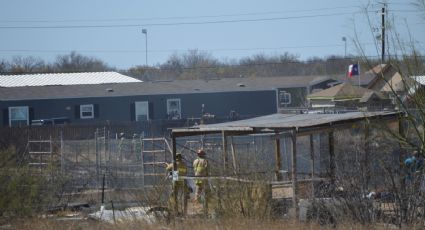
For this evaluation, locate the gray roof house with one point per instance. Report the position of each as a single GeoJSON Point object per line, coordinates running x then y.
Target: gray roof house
{"type": "Point", "coordinates": [127, 100]}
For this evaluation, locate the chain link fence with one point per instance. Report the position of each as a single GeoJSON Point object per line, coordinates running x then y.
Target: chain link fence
{"type": "Point", "coordinates": [130, 161]}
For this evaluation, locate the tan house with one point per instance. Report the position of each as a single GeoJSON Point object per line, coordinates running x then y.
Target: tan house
{"type": "Point", "coordinates": [346, 97]}
{"type": "Point", "coordinates": [387, 79]}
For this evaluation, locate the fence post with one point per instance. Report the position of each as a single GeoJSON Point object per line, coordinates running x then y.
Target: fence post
{"type": "Point", "coordinates": [174, 170]}
{"type": "Point", "coordinates": [62, 154]}
{"type": "Point", "coordinates": [224, 139]}
{"type": "Point", "coordinates": [332, 165]}
{"type": "Point", "coordinates": [96, 157]}
{"type": "Point", "coordinates": [294, 174]}
{"type": "Point", "coordinates": [278, 160]}
{"type": "Point", "coordinates": [142, 136]}
{"type": "Point", "coordinates": [312, 163]}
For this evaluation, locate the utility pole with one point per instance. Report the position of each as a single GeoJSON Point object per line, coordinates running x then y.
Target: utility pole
{"type": "Point", "coordinates": [145, 31]}
{"type": "Point", "coordinates": [383, 33]}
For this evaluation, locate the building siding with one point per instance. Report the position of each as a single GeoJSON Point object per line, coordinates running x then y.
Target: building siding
{"type": "Point", "coordinates": [298, 96]}
{"type": "Point", "coordinates": [119, 109]}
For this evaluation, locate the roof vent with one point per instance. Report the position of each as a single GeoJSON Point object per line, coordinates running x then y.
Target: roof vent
{"type": "Point", "coordinates": [196, 89]}
{"type": "Point", "coordinates": [158, 81]}
{"type": "Point", "coordinates": [109, 90]}
{"type": "Point", "coordinates": [241, 84]}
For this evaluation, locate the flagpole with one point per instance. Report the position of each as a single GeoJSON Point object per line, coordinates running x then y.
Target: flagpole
{"type": "Point", "coordinates": [358, 69]}
{"type": "Point", "coordinates": [347, 77]}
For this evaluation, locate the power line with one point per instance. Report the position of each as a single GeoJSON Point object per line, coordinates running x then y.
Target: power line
{"type": "Point", "coordinates": [172, 50]}
{"type": "Point", "coordinates": [182, 50]}
{"type": "Point", "coordinates": [406, 11]}
{"type": "Point", "coordinates": [174, 23]}
{"type": "Point", "coordinates": [177, 17]}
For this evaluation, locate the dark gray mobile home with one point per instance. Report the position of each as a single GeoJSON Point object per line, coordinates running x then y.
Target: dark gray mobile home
{"type": "Point", "coordinates": [157, 100]}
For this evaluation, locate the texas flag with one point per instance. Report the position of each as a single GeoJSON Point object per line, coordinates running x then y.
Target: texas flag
{"type": "Point", "coordinates": [353, 70]}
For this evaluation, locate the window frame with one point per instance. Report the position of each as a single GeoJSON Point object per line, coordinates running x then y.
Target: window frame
{"type": "Point", "coordinates": [286, 94]}
{"type": "Point", "coordinates": [86, 106]}
{"type": "Point", "coordinates": [144, 103]}
{"type": "Point", "coordinates": [19, 107]}
{"type": "Point", "coordinates": [179, 108]}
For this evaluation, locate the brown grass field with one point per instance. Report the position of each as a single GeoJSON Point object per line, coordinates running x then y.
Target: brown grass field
{"type": "Point", "coordinates": [183, 224]}
{"type": "Point", "coordinates": [46, 224]}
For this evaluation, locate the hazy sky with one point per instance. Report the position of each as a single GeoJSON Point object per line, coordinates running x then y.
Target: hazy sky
{"type": "Point", "coordinates": [228, 29]}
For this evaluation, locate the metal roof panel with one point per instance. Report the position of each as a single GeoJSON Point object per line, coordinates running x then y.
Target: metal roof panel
{"type": "Point", "coordinates": [155, 88]}
{"type": "Point", "coordinates": [286, 121]}
{"type": "Point", "coordinates": [49, 79]}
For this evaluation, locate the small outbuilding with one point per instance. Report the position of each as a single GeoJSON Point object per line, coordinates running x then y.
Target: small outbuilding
{"type": "Point", "coordinates": [292, 126]}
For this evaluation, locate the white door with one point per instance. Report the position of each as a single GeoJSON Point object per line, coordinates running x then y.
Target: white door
{"type": "Point", "coordinates": [142, 110]}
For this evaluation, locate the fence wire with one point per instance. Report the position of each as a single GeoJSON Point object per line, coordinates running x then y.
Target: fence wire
{"type": "Point", "coordinates": [123, 162]}
{"type": "Point", "coordinates": [121, 158]}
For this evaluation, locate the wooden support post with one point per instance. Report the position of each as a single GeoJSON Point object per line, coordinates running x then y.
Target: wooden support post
{"type": "Point", "coordinates": [294, 174]}
{"type": "Point", "coordinates": [235, 166]}
{"type": "Point", "coordinates": [332, 165]}
{"type": "Point", "coordinates": [366, 167]}
{"type": "Point", "coordinates": [401, 157]}
{"type": "Point", "coordinates": [402, 133]}
{"type": "Point", "coordinates": [312, 163]}
{"type": "Point", "coordinates": [401, 153]}
{"type": "Point", "coordinates": [278, 159]}
{"type": "Point", "coordinates": [224, 152]}
{"type": "Point", "coordinates": [174, 169]}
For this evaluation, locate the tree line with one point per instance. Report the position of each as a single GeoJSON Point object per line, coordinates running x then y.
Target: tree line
{"type": "Point", "coordinates": [72, 62]}
{"type": "Point", "coordinates": [193, 64]}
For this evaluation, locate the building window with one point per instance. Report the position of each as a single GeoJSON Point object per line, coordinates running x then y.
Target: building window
{"type": "Point", "coordinates": [142, 110]}
{"type": "Point", "coordinates": [18, 116]}
{"type": "Point", "coordinates": [174, 109]}
{"type": "Point", "coordinates": [86, 111]}
{"type": "Point", "coordinates": [284, 98]}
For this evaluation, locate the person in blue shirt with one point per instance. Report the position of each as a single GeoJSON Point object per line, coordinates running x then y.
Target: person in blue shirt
{"type": "Point", "coordinates": [413, 165]}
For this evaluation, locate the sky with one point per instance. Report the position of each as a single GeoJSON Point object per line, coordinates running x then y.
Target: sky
{"type": "Point", "coordinates": [111, 30]}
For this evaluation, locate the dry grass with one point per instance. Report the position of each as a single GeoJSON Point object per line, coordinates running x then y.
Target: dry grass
{"type": "Point", "coordinates": [183, 224]}
{"type": "Point", "coordinates": [240, 224]}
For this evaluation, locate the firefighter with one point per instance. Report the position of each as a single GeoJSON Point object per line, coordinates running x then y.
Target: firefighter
{"type": "Point", "coordinates": [200, 167]}
{"type": "Point", "coordinates": [413, 168]}
{"type": "Point", "coordinates": [180, 186]}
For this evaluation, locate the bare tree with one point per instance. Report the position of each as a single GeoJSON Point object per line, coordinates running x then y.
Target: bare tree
{"type": "Point", "coordinates": [380, 163]}
{"type": "Point", "coordinates": [3, 66]}
{"type": "Point", "coordinates": [196, 58]}
{"type": "Point", "coordinates": [74, 62]}
{"type": "Point", "coordinates": [27, 65]}
{"type": "Point", "coordinates": [191, 65]}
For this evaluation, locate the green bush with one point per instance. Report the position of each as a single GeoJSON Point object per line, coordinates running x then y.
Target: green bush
{"type": "Point", "coordinates": [24, 191]}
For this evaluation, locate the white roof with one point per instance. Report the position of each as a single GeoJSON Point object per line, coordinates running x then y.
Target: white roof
{"type": "Point", "coordinates": [64, 79]}
{"type": "Point", "coordinates": [420, 79]}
